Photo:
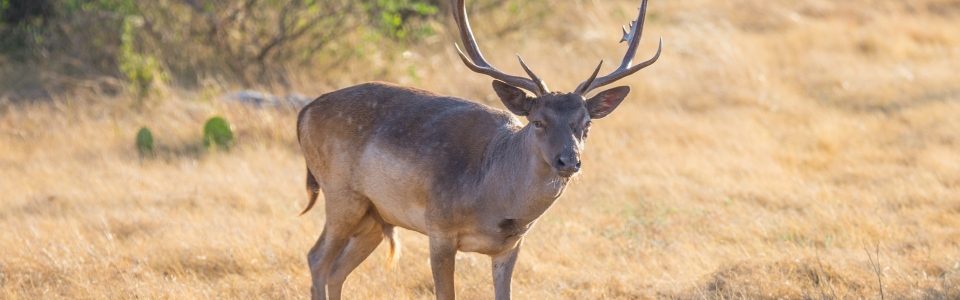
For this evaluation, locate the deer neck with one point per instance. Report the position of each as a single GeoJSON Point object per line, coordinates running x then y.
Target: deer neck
{"type": "Point", "coordinates": [523, 185]}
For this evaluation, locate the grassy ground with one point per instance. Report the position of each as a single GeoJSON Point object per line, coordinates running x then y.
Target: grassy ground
{"type": "Point", "coordinates": [778, 149]}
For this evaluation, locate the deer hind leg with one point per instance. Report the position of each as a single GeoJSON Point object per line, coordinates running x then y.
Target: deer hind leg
{"type": "Point", "coordinates": [367, 236]}
{"type": "Point", "coordinates": [345, 211]}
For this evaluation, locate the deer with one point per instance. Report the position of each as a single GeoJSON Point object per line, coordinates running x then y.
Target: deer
{"type": "Point", "coordinates": [470, 177]}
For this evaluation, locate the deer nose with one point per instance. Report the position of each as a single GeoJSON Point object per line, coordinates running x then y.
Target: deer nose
{"type": "Point", "coordinates": [567, 164]}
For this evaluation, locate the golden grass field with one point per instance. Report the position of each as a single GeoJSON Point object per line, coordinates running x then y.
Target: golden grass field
{"type": "Point", "coordinates": [777, 150]}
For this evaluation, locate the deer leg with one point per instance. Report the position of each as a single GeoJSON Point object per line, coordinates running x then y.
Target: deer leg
{"type": "Point", "coordinates": [503, 271]}
{"type": "Point", "coordinates": [367, 237]}
{"type": "Point", "coordinates": [443, 255]}
{"type": "Point", "coordinates": [344, 212]}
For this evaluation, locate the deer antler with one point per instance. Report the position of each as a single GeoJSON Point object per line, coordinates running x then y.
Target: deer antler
{"type": "Point", "coordinates": [633, 37]}
{"type": "Point", "coordinates": [479, 65]}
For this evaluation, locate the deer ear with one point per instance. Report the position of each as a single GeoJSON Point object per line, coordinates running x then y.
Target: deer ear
{"type": "Point", "coordinates": [605, 102]}
{"type": "Point", "coordinates": [513, 98]}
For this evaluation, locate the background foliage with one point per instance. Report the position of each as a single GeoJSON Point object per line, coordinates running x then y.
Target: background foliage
{"type": "Point", "coordinates": [137, 46]}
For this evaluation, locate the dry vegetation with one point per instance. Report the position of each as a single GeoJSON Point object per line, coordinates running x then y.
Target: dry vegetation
{"type": "Point", "coordinates": [778, 149]}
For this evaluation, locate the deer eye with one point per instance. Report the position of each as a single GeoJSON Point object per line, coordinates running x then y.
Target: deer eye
{"type": "Point", "coordinates": [538, 124]}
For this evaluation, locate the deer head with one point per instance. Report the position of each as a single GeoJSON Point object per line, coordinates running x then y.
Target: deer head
{"type": "Point", "coordinates": [560, 121]}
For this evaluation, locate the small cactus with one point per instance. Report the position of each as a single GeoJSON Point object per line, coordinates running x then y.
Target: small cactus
{"type": "Point", "coordinates": [217, 133]}
{"type": "Point", "coordinates": [144, 142]}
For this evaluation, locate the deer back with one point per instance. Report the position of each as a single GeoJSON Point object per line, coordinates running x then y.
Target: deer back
{"type": "Point", "coordinates": [446, 138]}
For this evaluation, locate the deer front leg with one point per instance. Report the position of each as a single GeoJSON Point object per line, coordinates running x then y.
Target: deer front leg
{"type": "Point", "coordinates": [443, 255]}
{"type": "Point", "coordinates": [503, 271]}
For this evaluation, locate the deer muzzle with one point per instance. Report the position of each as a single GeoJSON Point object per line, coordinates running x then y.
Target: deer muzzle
{"type": "Point", "coordinates": [567, 163]}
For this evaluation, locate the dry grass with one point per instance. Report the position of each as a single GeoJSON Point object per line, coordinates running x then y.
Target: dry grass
{"type": "Point", "coordinates": [779, 149]}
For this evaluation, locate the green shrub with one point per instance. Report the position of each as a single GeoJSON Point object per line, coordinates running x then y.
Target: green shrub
{"type": "Point", "coordinates": [145, 142]}
{"type": "Point", "coordinates": [141, 71]}
{"type": "Point", "coordinates": [396, 17]}
{"type": "Point", "coordinates": [217, 133]}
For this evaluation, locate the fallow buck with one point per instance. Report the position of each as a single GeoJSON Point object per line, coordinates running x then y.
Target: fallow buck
{"type": "Point", "coordinates": [470, 177]}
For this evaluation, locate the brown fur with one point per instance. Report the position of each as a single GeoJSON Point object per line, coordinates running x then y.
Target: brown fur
{"type": "Point", "coordinates": [313, 188]}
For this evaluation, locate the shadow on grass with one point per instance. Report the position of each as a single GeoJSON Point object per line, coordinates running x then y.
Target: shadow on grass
{"type": "Point", "coordinates": [183, 151]}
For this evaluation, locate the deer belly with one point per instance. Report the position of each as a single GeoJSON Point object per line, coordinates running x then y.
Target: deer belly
{"type": "Point", "coordinates": [489, 244]}
{"type": "Point", "coordinates": [406, 216]}
{"type": "Point", "coordinates": [391, 184]}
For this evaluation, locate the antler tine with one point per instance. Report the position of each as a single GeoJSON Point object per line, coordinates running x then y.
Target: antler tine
{"type": "Point", "coordinates": [477, 64]}
{"type": "Point", "coordinates": [536, 79]}
{"type": "Point", "coordinates": [624, 70]}
{"type": "Point", "coordinates": [582, 88]}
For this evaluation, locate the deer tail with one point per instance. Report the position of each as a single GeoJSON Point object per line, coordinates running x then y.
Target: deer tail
{"type": "Point", "coordinates": [313, 190]}
{"type": "Point", "coordinates": [390, 233]}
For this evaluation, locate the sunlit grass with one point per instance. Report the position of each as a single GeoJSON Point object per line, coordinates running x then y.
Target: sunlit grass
{"type": "Point", "coordinates": [774, 151]}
